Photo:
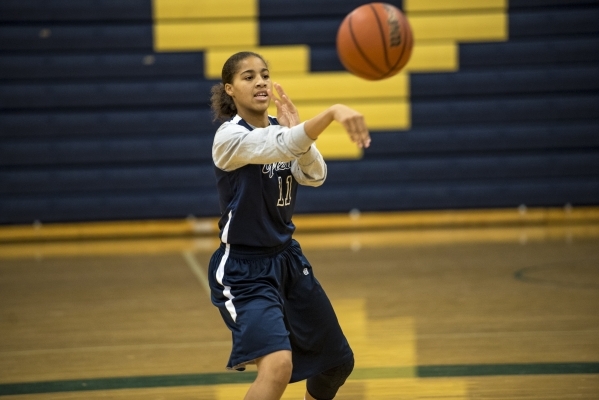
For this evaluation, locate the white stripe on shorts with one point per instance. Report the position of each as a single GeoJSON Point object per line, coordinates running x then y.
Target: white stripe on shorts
{"type": "Point", "coordinates": [220, 272]}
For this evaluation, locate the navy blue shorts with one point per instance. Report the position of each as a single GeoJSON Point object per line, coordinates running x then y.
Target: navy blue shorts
{"type": "Point", "coordinates": [271, 301]}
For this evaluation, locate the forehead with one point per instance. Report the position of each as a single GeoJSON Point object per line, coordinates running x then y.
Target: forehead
{"type": "Point", "coordinates": [252, 63]}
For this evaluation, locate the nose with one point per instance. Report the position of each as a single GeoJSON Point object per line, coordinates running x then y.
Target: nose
{"type": "Point", "coordinates": [260, 82]}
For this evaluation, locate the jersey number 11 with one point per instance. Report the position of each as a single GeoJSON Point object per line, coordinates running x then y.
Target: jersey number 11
{"type": "Point", "coordinates": [287, 200]}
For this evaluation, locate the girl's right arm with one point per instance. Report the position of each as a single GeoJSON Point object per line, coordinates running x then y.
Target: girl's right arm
{"type": "Point", "coordinates": [352, 121]}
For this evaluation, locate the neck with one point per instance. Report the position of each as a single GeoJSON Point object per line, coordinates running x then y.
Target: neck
{"type": "Point", "coordinates": [257, 120]}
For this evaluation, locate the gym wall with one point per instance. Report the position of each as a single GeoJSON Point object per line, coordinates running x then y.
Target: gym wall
{"type": "Point", "coordinates": [104, 110]}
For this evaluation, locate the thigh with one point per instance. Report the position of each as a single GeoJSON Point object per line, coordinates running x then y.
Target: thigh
{"type": "Point", "coordinates": [251, 306]}
{"type": "Point", "coordinates": [259, 330]}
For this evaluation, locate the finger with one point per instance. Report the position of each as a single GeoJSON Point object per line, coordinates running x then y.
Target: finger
{"type": "Point", "coordinates": [366, 140]}
{"type": "Point", "coordinates": [364, 135]}
{"type": "Point", "coordinates": [362, 130]}
{"type": "Point", "coordinates": [280, 91]}
{"type": "Point", "coordinates": [287, 100]}
{"type": "Point", "coordinates": [279, 88]}
{"type": "Point", "coordinates": [352, 126]}
{"type": "Point", "coordinates": [282, 94]}
{"type": "Point", "coordinates": [358, 132]}
{"type": "Point", "coordinates": [278, 105]}
{"type": "Point", "coordinates": [277, 102]}
{"type": "Point", "coordinates": [270, 94]}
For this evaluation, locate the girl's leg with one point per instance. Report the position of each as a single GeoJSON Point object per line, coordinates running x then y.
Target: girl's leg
{"type": "Point", "coordinates": [274, 372]}
{"type": "Point", "coordinates": [325, 385]}
{"type": "Point", "coordinates": [308, 397]}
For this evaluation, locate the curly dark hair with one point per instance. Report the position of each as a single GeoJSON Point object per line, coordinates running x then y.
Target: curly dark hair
{"type": "Point", "coordinates": [221, 103]}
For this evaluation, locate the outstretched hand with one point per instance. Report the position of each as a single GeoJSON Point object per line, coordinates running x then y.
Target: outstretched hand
{"type": "Point", "coordinates": [354, 124]}
{"type": "Point", "coordinates": [287, 113]}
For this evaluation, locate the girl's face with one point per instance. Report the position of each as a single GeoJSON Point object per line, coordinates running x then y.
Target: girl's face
{"type": "Point", "coordinates": [249, 87]}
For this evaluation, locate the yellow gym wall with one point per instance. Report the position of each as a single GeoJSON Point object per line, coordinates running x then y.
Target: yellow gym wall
{"type": "Point", "coordinates": [438, 26]}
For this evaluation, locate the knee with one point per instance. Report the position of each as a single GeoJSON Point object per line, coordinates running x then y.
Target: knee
{"type": "Point", "coordinates": [282, 370]}
{"type": "Point", "coordinates": [326, 385]}
{"type": "Point", "coordinates": [276, 366]}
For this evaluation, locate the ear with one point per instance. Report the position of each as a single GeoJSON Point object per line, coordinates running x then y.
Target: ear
{"type": "Point", "coordinates": [229, 89]}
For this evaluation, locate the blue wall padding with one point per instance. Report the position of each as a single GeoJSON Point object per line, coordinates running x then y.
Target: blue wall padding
{"type": "Point", "coordinates": [314, 31]}
{"type": "Point", "coordinates": [548, 80]}
{"type": "Point", "coordinates": [107, 205]}
{"type": "Point", "coordinates": [99, 122]}
{"type": "Point", "coordinates": [114, 178]}
{"type": "Point", "coordinates": [481, 139]}
{"type": "Point", "coordinates": [66, 151]}
{"type": "Point", "coordinates": [324, 58]}
{"type": "Point", "coordinates": [48, 68]}
{"type": "Point", "coordinates": [505, 109]}
{"type": "Point", "coordinates": [530, 52]}
{"type": "Point", "coordinates": [180, 92]}
{"type": "Point", "coordinates": [311, 8]}
{"type": "Point", "coordinates": [450, 195]}
{"type": "Point", "coordinates": [418, 168]}
{"type": "Point", "coordinates": [94, 125]}
{"type": "Point", "coordinates": [75, 10]}
{"type": "Point", "coordinates": [80, 37]}
{"type": "Point", "coordinates": [533, 23]}
{"type": "Point", "coordinates": [519, 4]}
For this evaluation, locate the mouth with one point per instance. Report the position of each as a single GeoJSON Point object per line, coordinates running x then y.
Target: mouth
{"type": "Point", "coordinates": [262, 95]}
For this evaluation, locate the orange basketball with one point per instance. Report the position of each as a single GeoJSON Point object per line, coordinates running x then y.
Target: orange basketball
{"type": "Point", "coordinates": [374, 41]}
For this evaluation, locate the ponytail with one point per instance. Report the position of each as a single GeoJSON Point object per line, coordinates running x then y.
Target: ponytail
{"type": "Point", "coordinates": [223, 107]}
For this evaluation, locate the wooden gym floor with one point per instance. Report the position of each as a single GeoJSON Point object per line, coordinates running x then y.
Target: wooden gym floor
{"type": "Point", "coordinates": [503, 311]}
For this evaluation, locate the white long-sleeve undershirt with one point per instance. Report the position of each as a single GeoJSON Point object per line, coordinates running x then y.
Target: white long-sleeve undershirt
{"type": "Point", "coordinates": [235, 146]}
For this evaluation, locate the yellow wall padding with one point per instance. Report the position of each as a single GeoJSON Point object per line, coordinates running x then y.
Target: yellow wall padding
{"type": "Point", "coordinates": [203, 9]}
{"type": "Point", "coordinates": [460, 27]}
{"type": "Point", "coordinates": [334, 143]}
{"type": "Point", "coordinates": [434, 57]}
{"type": "Point", "coordinates": [341, 87]}
{"type": "Point", "coordinates": [380, 115]}
{"type": "Point", "coordinates": [200, 35]}
{"type": "Point", "coordinates": [453, 5]}
{"type": "Point", "coordinates": [281, 59]}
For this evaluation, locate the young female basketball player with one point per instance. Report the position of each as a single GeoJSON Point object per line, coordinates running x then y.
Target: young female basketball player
{"type": "Point", "coordinates": [264, 287]}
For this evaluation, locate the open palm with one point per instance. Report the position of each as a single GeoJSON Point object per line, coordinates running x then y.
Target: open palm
{"type": "Point", "coordinates": [287, 113]}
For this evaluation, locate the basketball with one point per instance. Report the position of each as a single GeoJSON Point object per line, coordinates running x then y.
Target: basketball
{"type": "Point", "coordinates": [374, 41]}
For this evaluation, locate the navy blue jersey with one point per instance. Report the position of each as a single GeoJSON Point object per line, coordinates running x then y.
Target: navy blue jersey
{"type": "Point", "coordinates": [257, 199]}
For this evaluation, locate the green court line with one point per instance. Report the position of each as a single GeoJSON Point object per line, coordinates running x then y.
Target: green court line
{"type": "Point", "coordinates": [439, 371]}
{"type": "Point", "coordinates": [383, 373]}
{"type": "Point", "coordinates": [423, 371]}
{"type": "Point", "coordinates": [134, 382]}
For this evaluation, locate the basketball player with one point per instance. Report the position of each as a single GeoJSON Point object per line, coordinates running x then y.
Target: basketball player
{"type": "Point", "coordinates": [264, 287]}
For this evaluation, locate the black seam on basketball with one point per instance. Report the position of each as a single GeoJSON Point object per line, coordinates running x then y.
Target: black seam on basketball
{"type": "Point", "coordinates": [361, 73]}
{"type": "Point", "coordinates": [353, 37]}
{"type": "Point", "coordinates": [404, 47]}
{"type": "Point", "coordinates": [382, 32]}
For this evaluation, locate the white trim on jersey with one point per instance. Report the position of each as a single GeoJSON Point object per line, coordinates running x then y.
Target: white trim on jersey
{"type": "Point", "coordinates": [220, 272]}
